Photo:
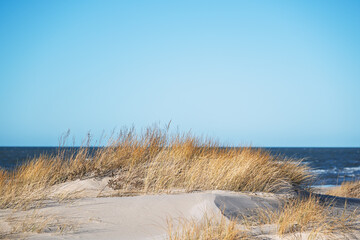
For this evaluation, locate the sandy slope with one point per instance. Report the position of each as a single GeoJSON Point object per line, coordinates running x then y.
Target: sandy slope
{"type": "Point", "coordinates": [143, 217]}
{"type": "Point", "coordinates": [139, 217]}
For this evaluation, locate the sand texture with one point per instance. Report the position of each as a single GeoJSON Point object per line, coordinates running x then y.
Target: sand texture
{"type": "Point", "coordinates": [88, 216]}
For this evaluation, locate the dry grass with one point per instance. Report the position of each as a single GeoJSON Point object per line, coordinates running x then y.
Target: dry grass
{"type": "Point", "coordinates": [211, 228]}
{"type": "Point", "coordinates": [30, 181]}
{"type": "Point", "coordinates": [35, 222]}
{"type": "Point", "coordinates": [297, 219]}
{"type": "Point", "coordinates": [309, 216]}
{"type": "Point", "coordinates": [347, 189]}
{"type": "Point", "coordinates": [151, 162]}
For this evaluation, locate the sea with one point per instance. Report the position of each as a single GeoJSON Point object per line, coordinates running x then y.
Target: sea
{"type": "Point", "coordinates": [330, 166]}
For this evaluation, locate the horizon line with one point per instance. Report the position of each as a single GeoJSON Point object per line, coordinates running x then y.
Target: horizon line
{"type": "Point", "coordinates": [49, 146]}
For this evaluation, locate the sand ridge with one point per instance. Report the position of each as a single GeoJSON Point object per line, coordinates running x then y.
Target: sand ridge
{"type": "Point", "coordinates": [138, 217]}
{"type": "Point", "coordinates": [85, 215]}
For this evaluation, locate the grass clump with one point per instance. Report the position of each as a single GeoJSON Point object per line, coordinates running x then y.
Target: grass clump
{"type": "Point", "coordinates": [21, 225]}
{"type": "Point", "coordinates": [151, 162]}
{"type": "Point", "coordinates": [298, 219]}
{"type": "Point", "coordinates": [347, 189]}
{"type": "Point", "coordinates": [210, 228]}
{"type": "Point", "coordinates": [309, 216]}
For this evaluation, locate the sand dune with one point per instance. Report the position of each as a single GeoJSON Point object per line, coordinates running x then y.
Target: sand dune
{"type": "Point", "coordinates": [145, 217]}
{"type": "Point", "coordinates": [140, 217]}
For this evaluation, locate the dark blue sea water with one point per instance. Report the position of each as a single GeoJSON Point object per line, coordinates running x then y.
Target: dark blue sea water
{"type": "Point", "coordinates": [332, 166]}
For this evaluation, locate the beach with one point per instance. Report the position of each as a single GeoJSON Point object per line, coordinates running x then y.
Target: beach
{"type": "Point", "coordinates": [160, 186]}
{"type": "Point", "coordinates": [91, 210]}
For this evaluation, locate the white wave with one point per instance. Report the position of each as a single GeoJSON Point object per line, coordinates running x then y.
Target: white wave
{"type": "Point", "coordinates": [351, 169]}
{"type": "Point", "coordinates": [321, 171]}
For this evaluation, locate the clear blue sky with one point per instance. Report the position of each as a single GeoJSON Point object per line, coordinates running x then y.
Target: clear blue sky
{"type": "Point", "coordinates": [266, 73]}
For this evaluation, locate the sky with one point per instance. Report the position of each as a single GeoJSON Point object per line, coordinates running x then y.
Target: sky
{"type": "Point", "coordinates": [260, 73]}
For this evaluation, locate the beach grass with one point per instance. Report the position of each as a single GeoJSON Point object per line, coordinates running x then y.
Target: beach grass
{"type": "Point", "coordinates": [37, 223]}
{"type": "Point", "coordinates": [346, 189]}
{"type": "Point", "coordinates": [155, 161]}
{"type": "Point", "coordinates": [298, 219]}
{"type": "Point", "coordinates": [210, 228]}
{"type": "Point", "coordinates": [309, 215]}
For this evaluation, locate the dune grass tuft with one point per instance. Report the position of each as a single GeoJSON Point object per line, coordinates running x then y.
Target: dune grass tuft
{"type": "Point", "coordinates": [298, 219]}
{"type": "Point", "coordinates": [151, 162]}
{"type": "Point", "coordinates": [20, 225]}
{"type": "Point", "coordinates": [310, 216]}
{"type": "Point", "coordinates": [211, 228]}
{"type": "Point", "coordinates": [346, 189]}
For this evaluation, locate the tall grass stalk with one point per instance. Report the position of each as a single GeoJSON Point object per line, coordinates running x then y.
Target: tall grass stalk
{"type": "Point", "coordinates": [297, 219]}
{"type": "Point", "coordinates": [347, 189]}
{"type": "Point", "coordinates": [310, 216]}
{"type": "Point", "coordinates": [210, 228]}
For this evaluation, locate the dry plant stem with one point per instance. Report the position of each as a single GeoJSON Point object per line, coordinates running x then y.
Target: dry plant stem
{"type": "Point", "coordinates": [347, 189]}
{"type": "Point", "coordinates": [35, 222]}
{"type": "Point", "coordinates": [210, 228]}
{"type": "Point", "coordinates": [151, 162]}
{"type": "Point", "coordinates": [300, 219]}
{"type": "Point", "coordinates": [305, 215]}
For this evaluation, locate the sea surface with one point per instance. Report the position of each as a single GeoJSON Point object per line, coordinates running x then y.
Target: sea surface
{"type": "Point", "coordinates": [331, 166]}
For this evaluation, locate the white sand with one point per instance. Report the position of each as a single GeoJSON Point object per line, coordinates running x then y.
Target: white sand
{"type": "Point", "coordinates": [140, 217]}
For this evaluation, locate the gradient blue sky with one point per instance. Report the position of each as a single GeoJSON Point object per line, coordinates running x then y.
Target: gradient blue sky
{"type": "Point", "coordinates": [266, 73]}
